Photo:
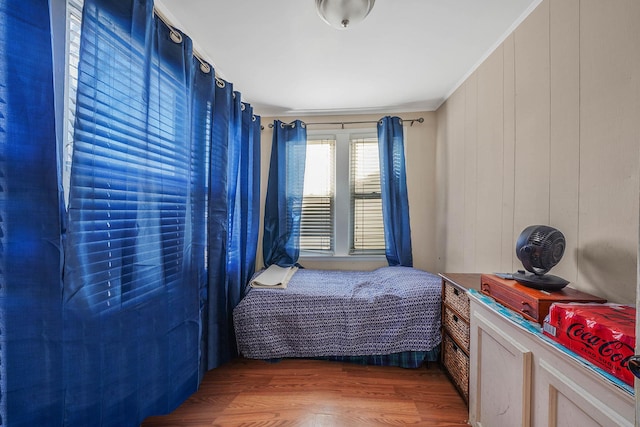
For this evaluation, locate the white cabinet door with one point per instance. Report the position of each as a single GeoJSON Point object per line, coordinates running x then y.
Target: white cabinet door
{"type": "Point", "coordinates": [570, 403]}
{"type": "Point", "coordinates": [501, 384]}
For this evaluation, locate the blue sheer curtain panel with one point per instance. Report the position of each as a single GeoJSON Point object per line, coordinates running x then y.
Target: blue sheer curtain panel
{"type": "Point", "coordinates": [249, 193]}
{"type": "Point", "coordinates": [395, 201]}
{"type": "Point", "coordinates": [243, 185]}
{"type": "Point", "coordinates": [203, 99]}
{"type": "Point", "coordinates": [131, 296]}
{"type": "Point", "coordinates": [31, 381]}
{"type": "Point", "coordinates": [233, 218]}
{"type": "Point", "coordinates": [217, 337]}
{"type": "Point", "coordinates": [234, 250]}
{"type": "Point", "coordinates": [283, 205]}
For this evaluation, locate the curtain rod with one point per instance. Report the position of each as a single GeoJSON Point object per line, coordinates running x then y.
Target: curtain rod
{"type": "Point", "coordinates": [176, 36]}
{"type": "Point", "coordinates": [419, 120]}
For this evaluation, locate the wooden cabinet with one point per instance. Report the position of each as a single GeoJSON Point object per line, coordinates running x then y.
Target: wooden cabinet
{"type": "Point", "coordinates": [519, 378]}
{"type": "Point", "coordinates": [455, 327]}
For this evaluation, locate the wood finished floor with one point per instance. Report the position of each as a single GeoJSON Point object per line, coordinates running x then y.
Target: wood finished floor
{"type": "Point", "coordinates": [297, 392]}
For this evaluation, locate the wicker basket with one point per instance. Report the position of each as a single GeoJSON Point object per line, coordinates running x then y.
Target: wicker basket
{"type": "Point", "coordinates": [457, 364]}
{"type": "Point", "coordinates": [458, 328]}
{"type": "Point", "coordinates": [456, 299]}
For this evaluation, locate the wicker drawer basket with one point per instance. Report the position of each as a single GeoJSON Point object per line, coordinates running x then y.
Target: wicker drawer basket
{"type": "Point", "coordinates": [457, 327]}
{"type": "Point", "coordinates": [457, 364]}
{"type": "Point", "coordinates": [456, 299]}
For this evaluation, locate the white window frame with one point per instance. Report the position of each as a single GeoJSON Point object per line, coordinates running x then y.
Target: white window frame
{"type": "Point", "coordinates": [343, 231]}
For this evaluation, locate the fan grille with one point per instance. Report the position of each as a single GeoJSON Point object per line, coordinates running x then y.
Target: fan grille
{"type": "Point", "coordinates": [543, 246]}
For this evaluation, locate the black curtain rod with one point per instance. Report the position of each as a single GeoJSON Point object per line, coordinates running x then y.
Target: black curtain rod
{"type": "Point", "coordinates": [419, 120]}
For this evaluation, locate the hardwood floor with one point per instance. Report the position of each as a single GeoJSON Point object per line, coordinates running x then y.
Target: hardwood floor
{"type": "Point", "coordinates": [297, 392]}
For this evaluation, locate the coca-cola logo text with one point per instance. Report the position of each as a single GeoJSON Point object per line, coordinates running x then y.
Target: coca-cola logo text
{"type": "Point", "coordinates": [614, 350]}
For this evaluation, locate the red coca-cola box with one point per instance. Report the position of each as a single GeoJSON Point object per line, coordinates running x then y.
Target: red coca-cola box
{"type": "Point", "coordinates": [604, 334]}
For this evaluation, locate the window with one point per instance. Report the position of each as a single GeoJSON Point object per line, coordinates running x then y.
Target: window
{"type": "Point", "coordinates": [366, 200]}
{"type": "Point", "coordinates": [74, 20]}
{"type": "Point", "coordinates": [342, 207]}
{"type": "Point", "coordinates": [131, 173]}
{"type": "Point", "coordinates": [318, 201]}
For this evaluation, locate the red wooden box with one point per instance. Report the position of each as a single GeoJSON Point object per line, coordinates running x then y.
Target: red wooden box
{"type": "Point", "coordinates": [604, 334]}
{"type": "Point", "coordinates": [531, 303]}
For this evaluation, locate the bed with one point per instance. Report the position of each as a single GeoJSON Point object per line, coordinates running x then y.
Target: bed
{"type": "Point", "coordinates": [388, 316]}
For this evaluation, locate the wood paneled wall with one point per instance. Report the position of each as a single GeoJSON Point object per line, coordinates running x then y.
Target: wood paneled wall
{"type": "Point", "coordinates": [547, 131]}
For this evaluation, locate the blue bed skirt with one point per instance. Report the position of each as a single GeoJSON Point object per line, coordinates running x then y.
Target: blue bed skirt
{"type": "Point", "coordinates": [405, 359]}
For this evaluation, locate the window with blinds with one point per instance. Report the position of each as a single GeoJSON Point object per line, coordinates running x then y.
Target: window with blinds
{"type": "Point", "coordinates": [342, 206]}
{"type": "Point", "coordinates": [129, 192]}
{"type": "Point", "coordinates": [318, 202]}
{"type": "Point", "coordinates": [366, 201]}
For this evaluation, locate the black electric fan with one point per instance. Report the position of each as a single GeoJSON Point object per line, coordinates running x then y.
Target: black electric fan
{"type": "Point", "coordinates": [540, 248]}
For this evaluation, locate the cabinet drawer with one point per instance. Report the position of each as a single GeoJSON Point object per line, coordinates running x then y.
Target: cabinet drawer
{"type": "Point", "coordinates": [517, 301]}
{"type": "Point", "coordinates": [456, 362]}
{"type": "Point", "coordinates": [456, 299]}
{"type": "Point", "coordinates": [457, 327]}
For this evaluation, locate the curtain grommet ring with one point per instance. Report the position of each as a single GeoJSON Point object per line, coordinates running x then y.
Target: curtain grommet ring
{"type": "Point", "coordinates": [242, 106]}
{"type": "Point", "coordinates": [253, 118]}
{"type": "Point", "coordinates": [281, 125]}
{"type": "Point", "coordinates": [205, 68]}
{"type": "Point", "coordinates": [221, 83]}
{"type": "Point", "coordinates": [175, 36]}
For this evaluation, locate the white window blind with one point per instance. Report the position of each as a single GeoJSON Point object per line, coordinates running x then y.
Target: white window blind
{"type": "Point", "coordinates": [318, 203]}
{"type": "Point", "coordinates": [74, 20]}
{"type": "Point", "coordinates": [342, 208]}
{"type": "Point", "coordinates": [132, 163]}
{"type": "Point", "coordinates": [366, 202]}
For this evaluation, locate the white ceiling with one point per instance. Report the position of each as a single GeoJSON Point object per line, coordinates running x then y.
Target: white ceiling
{"type": "Point", "coordinates": [407, 55]}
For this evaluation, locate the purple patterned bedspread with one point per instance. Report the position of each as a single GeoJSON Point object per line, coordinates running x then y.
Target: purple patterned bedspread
{"type": "Point", "coordinates": [341, 313]}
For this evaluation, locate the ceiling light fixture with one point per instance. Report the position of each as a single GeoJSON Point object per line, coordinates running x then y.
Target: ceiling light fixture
{"type": "Point", "coordinates": [343, 13]}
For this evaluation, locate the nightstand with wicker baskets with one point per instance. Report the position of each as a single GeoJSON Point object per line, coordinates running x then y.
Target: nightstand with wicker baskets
{"type": "Point", "coordinates": [455, 327]}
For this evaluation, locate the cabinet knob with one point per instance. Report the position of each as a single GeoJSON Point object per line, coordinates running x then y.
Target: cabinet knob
{"type": "Point", "coordinates": [634, 365]}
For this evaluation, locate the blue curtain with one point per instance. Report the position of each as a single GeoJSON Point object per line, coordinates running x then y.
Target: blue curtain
{"type": "Point", "coordinates": [232, 218]}
{"type": "Point", "coordinates": [395, 202]}
{"type": "Point", "coordinates": [283, 205]}
{"type": "Point", "coordinates": [123, 333]}
{"type": "Point", "coordinates": [31, 383]}
{"type": "Point", "coordinates": [234, 288]}
{"type": "Point", "coordinates": [216, 347]}
{"type": "Point", "coordinates": [131, 296]}
{"type": "Point", "coordinates": [203, 100]}
{"type": "Point", "coordinates": [244, 198]}
{"type": "Point", "coordinates": [249, 193]}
